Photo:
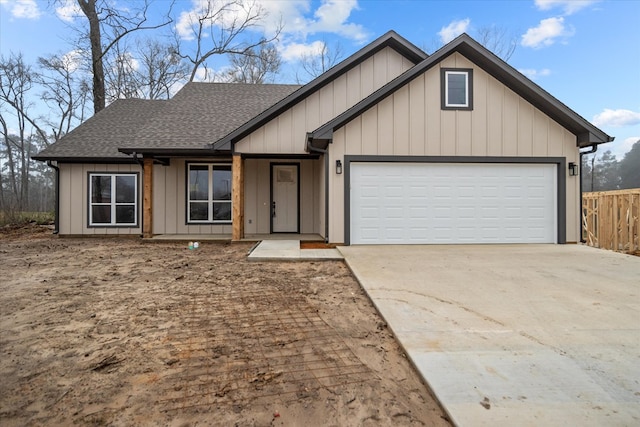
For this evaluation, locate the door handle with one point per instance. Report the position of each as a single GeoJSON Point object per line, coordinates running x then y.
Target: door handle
{"type": "Point", "coordinates": [273, 211]}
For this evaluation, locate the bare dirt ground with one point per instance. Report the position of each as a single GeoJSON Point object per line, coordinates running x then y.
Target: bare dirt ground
{"type": "Point", "coordinates": [120, 332]}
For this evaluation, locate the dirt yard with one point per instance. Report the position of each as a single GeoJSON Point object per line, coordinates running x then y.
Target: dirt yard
{"type": "Point", "coordinates": [120, 332]}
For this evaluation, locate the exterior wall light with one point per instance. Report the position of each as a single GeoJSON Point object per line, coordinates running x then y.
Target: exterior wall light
{"type": "Point", "coordinates": [338, 167]}
{"type": "Point", "coordinates": [574, 169]}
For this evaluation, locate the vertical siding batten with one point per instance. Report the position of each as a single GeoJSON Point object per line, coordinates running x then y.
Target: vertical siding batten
{"type": "Point", "coordinates": [400, 121]}
{"type": "Point", "coordinates": [417, 117]}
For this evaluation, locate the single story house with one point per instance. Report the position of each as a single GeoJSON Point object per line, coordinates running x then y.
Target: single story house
{"type": "Point", "coordinates": [391, 146]}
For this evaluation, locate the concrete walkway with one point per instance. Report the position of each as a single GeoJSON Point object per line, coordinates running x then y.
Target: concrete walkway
{"type": "Point", "coordinates": [289, 250]}
{"type": "Point", "coordinates": [514, 335]}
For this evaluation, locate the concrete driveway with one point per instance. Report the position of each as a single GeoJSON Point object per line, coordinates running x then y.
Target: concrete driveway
{"type": "Point", "coordinates": [514, 334]}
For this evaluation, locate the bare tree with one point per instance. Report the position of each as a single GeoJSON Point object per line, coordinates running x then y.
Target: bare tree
{"type": "Point", "coordinates": [108, 26]}
{"type": "Point", "coordinates": [66, 93]}
{"type": "Point", "coordinates": [16, 80]}
{"type": "Point", "coordinates": [152, 71]}
{"type": "Point", "coordinates": [160, 69]}
{"type": "Point", "coordinates": [498, 40]}
{"type": "Point", "coordinates": [315, 64]}
{"type": "Point", "coordinates": [256, 65]}
{"type": "Point", "coordinates": [221, 27]}
{"type": "Point", "coordinates": [120, 74]}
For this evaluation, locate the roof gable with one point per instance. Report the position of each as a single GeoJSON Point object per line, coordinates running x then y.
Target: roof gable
{"type": "Point", "coordinates": [201, 113]}
{"type": "Point", "coordinates": [198, 114]}
{"type": "Point", "coordinates": [391, 39]}
{"type": "Point", "coordinates": [587, 133]}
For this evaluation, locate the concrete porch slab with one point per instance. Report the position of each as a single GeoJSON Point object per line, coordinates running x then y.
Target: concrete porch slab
{"type": "Point", "coordinates": [289, 250]}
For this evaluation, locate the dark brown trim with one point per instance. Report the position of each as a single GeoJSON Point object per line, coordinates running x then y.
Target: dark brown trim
{"type": "Point", "coordinates": [100, 160]}
{"type": "Point", "coordinates": [560, 162]}
{"type": "Point", "coordinates": [176, 152]}
{"type": "Point", "coordinates": [443, 86]}
{"type": "Point", "coordinates": [271, 166]}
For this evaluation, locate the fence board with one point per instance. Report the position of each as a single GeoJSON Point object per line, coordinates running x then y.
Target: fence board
{"type": "Point", "coordinates": [611, 220]}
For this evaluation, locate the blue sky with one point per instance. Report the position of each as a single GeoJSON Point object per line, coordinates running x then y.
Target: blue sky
{"type": "Point", "coordinates": [586, 53]}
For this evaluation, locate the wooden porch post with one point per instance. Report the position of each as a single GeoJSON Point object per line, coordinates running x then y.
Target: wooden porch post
{"type": "Point", "coordinates": [147, 198]}
{"type": "Point", "coordinates": [237, 198]}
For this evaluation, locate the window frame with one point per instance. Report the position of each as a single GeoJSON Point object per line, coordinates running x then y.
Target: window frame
{"type": "Point", "coordinates": [113, 203]}
{"type": "Point", "coordinates": [211, 167]}
{"type": "Point", "coordinates": [444, 88]}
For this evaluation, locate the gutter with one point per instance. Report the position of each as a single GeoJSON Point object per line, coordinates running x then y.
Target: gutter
{"type": "Point", "coordinates": [325, 153]}
{"type": "Point", "coordinates": [594, 148]}
{"type": "Point", "coordinates": [56, 220]}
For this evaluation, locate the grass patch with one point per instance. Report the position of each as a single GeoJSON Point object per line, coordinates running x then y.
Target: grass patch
{"type": "Point", "coordinates": [21, 218]}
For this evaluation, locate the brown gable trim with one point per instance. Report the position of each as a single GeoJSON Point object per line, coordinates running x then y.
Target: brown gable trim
{"type": "Point", "coordinates": [390, 39]}
{"type": "Point", "coordinates": [587, 133]}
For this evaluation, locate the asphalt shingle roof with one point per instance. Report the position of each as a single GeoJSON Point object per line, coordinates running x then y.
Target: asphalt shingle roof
{"type": "Point", "coordinates": [202, 113]}
{"type": "Point", "coordinates": [199, 114]}
{"type": "Point", "coordinates": [101, 135]}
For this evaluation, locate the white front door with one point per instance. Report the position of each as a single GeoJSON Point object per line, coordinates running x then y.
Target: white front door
{"type": "Point", "coordinates": [284, 199]}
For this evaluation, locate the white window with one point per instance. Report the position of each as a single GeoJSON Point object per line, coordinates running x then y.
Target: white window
{"type": "Point", "coordinates": [209, 195]}
{"type": "Point", "coordinates": [457, 89]}
{"type": "Point", "coordinates": [113, 199]}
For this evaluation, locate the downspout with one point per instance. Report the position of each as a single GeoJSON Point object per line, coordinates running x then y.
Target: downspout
{"type": "Point", "coordinates": [325, 154]}
{"type": "Point", "coordinates": [56, 219]}
{"type": "Point", "coordinates": [594, 148]}
{"type": "Point", "coordinates": [137, 160]}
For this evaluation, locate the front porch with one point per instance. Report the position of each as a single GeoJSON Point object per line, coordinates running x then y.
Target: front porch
{"type": "Point", "coordinates": [228, 237]}
{"type": "Point", "coordinates": [254, 190]}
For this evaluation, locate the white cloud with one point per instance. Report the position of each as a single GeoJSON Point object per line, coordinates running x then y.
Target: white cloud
{"type": "Point", "coordinates": [546, 33]}
{"type": "Point", "coordinates": [534, 74]}
{"type": "Point", "coordinates": [295, 51]}
{"type": "Point", "coordinates": [332, 16]}
{"type": "Point", "coordinates": [27, 9]}
{"type": "Point", "coordinates": [289, 12]}
{"type": "Point", "coordinates": [453, 30]}
{"type": "Point", "coordinates": [68, 10]}
{"type": "Point", "coordinates": [616, 118]}
{"type": "Point", "coordinates": [204, 74]}
{"type": "Point", "coordinates": [217, 16]}
{"type": "Point", "coordinates": [568, 6]}
{"type": "Point", "coordinates": [628, 143]}
{"type": "Point", "coordinates": [73, 59]}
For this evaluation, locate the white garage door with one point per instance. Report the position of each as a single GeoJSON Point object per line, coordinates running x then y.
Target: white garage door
{"type": "Point", "coordinates": [449, 203]}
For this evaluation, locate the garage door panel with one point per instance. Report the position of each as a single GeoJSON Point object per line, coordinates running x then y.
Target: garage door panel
{"type": "Point", "coordinates": [452, 203]}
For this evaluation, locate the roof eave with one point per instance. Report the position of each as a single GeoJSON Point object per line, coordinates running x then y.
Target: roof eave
{"type": "Point", "coordinates": [73, 159]}
{"type": "Point", "coordinates": [205, 151]}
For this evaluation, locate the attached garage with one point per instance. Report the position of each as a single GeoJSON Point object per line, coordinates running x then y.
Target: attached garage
{"type": "Point", "coordinates": [452, 203]}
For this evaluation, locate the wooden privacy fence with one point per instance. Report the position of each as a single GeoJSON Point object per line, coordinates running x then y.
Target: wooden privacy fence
{"type": "Point", "coordinates": [611, 220]}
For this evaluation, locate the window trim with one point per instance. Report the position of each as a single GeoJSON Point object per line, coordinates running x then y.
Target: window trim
{"type": "Point", "coordinates": [210, 200]}
{"type": "Point", "coordinates": [444, 86]}
{"type": "Point", "coordinates": [113, 204]}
